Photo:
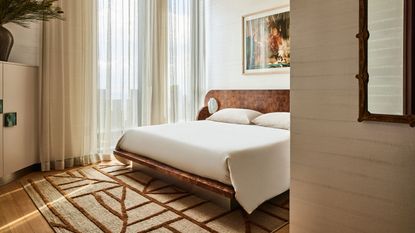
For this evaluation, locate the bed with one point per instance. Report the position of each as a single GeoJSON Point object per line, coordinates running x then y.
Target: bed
{"type": "Point", "coordinates": [246, 162]}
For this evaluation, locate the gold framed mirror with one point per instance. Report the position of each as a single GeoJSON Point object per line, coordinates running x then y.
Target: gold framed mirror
{"type": "Point", "coordinates": [386, 80]}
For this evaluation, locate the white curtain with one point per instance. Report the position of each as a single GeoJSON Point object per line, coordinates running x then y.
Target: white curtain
{"type": "Point", "coordinates": [186, 51]}
{"type": "Point", "coordinates": [67, 87]}
{"type": "Point", "coordinates": [132, 70]}
{"type": "Point", "coordinates": [151, 64]}
{"type": "Point", "coordinates": [113, 65]}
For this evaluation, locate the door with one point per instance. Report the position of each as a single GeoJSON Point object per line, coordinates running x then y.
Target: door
{"type": "Point", "coordinates": [20, 142]}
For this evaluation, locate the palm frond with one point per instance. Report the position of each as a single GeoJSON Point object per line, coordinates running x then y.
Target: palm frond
{"type": "Point", "coordinates": [23, 12]}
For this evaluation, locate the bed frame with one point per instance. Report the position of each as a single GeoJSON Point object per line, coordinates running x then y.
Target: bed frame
{"type": "Point", "coordinates": [264, 101]}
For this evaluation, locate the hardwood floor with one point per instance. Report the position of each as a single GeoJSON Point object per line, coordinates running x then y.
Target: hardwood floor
{"type": "Point", "coordinates": [285, 229]}
{"type": "Point", "coordinates": [17, 211]}
{"type": "Point", "coordinates": [18, 214]}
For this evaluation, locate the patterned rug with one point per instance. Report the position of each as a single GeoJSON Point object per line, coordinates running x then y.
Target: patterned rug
{"type": "Point", "coordinates": [113, 198]}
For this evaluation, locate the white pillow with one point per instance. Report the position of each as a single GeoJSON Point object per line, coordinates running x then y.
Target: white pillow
{"type": "Point", "coordinates": [235, 116]}
{"type": "Point", "coordinates": [279, 120]}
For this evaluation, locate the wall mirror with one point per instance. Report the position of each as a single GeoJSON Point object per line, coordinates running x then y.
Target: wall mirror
{"type": "Point", "coordinates": [386, 80]}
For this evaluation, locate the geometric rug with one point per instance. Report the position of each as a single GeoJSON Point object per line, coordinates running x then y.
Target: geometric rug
{"type": "Point", "coordinates": [114, 198]}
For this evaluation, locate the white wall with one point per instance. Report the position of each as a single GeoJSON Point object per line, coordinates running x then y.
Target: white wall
{"type": "Point", "coordinates": [27, 44]}
{"type": "Point", "coordinates": [346, 176]}
{"type": "Point", "coordinates": [224, 46]}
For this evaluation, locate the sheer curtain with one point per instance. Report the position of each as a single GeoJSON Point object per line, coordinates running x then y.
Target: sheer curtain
{"type": "Point", "coordinates": [186, 53]}
{"type": "Point", "coordinates": [151, 64]}
{"type": "Point", "coordinates": [67, 88]}
{"type": "Point", "coordinates": [113, 65]}
{"type": "Point", "coordinates": [132, 67]}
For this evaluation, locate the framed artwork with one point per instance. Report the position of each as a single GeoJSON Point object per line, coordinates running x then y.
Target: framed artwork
{"type": "Point", "coordinates": [266, 42]}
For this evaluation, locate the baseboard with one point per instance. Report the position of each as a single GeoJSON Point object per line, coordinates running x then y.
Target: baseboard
{"type": "Point", "coordinates": [16, 175]}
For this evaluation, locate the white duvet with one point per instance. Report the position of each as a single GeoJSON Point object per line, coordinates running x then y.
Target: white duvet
{"type": "Point", "coordinates": [254, 160]}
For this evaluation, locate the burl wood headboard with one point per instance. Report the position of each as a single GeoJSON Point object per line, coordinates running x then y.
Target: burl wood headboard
{"type": "Point", "coordinates": [264, 101]}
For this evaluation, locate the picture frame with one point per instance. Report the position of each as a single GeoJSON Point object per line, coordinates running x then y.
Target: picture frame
{"type": "Point", "coordinates": [266, 42]}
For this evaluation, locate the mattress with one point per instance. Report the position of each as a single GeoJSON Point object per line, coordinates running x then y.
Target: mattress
{"type": "Point", "coordinates": [253, 159]}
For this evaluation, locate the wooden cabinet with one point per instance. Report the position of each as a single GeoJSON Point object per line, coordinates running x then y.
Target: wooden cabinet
{"type": "Point", "coordinates": [19, 144]}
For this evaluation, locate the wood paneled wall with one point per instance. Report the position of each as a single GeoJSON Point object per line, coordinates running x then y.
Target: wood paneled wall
{"type": "Point", "coordinates": [346, 176]}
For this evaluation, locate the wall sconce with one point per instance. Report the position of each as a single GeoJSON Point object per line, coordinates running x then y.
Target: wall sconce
{"type": "Point", "coordinates": [213, 105]}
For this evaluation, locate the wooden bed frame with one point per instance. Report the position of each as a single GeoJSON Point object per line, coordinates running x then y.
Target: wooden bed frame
{"type": "Point", "coordinates": [264, 101]}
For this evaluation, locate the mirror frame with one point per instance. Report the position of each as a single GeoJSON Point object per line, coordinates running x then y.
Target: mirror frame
{"type": "Point", "coordinates": [363, 76]}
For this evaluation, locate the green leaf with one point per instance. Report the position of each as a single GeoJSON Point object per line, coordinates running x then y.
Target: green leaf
{"type": "Point", "coordinates": [23, 12]}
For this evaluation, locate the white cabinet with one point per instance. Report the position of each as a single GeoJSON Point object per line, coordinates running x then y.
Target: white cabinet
{"type": "Point", "coordinates": [1, 121]}
{"type": "Point", "coordinates": [19, 91]}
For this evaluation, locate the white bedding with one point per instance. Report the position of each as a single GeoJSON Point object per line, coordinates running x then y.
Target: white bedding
{"type": "Point", "coordinates": [255, 160]}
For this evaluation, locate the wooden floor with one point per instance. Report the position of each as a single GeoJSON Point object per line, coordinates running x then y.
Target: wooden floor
{"type": "Point", "coordinates": [17, 211]}
{"type": "Point", "coordinates": [18, 214]}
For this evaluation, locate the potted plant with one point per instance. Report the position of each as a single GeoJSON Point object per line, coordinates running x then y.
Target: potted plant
{"type": "Point", "coordinates": [23, 12]}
